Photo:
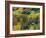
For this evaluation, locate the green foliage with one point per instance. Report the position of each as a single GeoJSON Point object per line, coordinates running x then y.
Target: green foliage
{"type": "Point", "coordinates": [26, 15]}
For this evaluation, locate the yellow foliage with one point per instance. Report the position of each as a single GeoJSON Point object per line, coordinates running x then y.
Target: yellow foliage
{"type": "Point", "coordinates": [17, 27]}
{"type": "Point", "coordinates": [18, 11]}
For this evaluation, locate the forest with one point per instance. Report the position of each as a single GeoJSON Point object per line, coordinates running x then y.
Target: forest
{"type": "Point", "coordinates": [26, 18]}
